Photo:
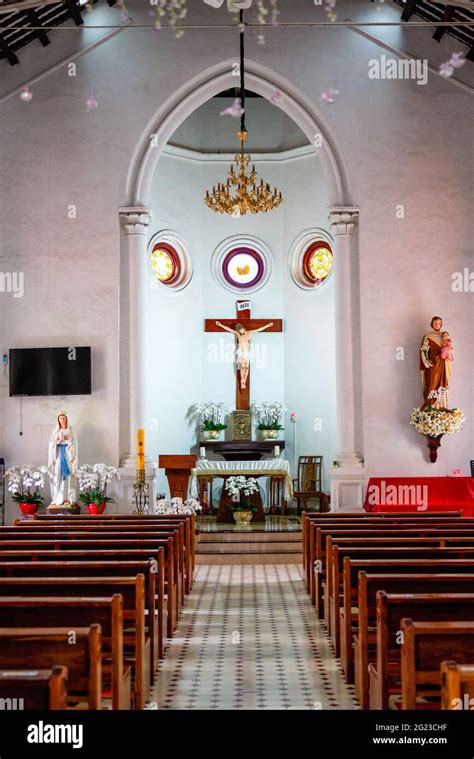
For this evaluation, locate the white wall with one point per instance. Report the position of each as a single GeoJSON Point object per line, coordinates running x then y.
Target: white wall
{"type": "Point", "coordinates": [181, 369]}
{"type": "Point", "coordinates": [402, 143]}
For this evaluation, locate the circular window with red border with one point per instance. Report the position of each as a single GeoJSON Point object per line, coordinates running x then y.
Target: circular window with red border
{"type": "Point", "coordinates": [317, 262]}
{"type": "Point", "coordinates": [243, 267]}
{"type": "Point", "coordinates": [165, 263]}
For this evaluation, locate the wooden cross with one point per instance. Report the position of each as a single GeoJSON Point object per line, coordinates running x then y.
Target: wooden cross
{"type": "Point", "coordinates": [242, 394]}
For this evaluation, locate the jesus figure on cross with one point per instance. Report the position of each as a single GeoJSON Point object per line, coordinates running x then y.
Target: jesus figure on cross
{"type": "Point", "coordinates": [242, 356]}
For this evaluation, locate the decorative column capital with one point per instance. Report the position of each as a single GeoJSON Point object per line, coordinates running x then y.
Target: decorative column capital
{"type": "Point", "coordinates": [343, 220]}
{"type": "Point", "coordinates": [135, 220]}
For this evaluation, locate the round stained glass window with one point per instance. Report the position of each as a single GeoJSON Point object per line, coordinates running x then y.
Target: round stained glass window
{"type": "Point", "coordinates": [165, 263]}
{"type": "Point", "coordinates": [317, 262]}
{"type": "Point", "coordinates": [243, 267]}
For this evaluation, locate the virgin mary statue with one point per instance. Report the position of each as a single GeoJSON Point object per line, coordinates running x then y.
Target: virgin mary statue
{"type": "Point", "coordinates": [62, 462]}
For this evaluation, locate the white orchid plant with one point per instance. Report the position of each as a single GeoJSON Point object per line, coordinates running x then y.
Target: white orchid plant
{"type": "Point", "coordinates": [176, 506]}
{"type": "Point", "coordinates": [210, 415]}
{"type": "Point", "coordinates": [25, 483]}
{"type": "Point", "coordinates": [435, 422]}
{"type": "Point", "coordinates": [269, 415]}
{"type": "Point", "coordinates": [93, 482]}
{"type": "Point", "coordinates": [241, 489]}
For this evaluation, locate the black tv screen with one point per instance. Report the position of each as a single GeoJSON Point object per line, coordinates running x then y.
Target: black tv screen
{"type": "Point", "coordinates": [50, 371]}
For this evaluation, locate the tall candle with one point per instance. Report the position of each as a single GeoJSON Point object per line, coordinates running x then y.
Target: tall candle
{"type": "Point", "coordinates": [276, 451]}
{"type": "Point", "coordinates": [141, 449]}
{"type": "Point", "coordinates": [202, 452]}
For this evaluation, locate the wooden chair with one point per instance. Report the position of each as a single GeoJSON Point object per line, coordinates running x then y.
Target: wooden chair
{"type": "Point", "coordinates": [41, 689]}
{"type": "Point", "coordinates": [308, 484]}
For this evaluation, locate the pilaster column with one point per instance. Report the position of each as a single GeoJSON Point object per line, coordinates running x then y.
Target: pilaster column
{"type": "Point", "coordinates": [135, 223]}
{"type": "Point", "coordinates": [350, 475]}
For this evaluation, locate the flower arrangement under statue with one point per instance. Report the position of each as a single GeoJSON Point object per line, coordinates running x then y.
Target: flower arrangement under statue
{"type": "Point", "coordinates": [269, 416]}
{"type": "Point", "coordinates": [241, 489]}
{"type": "Point", "coordinates": [93, 482]}
{"type": "Point", "coordinates": [211, 418]}
{"type": "Point", "coordinates": [176, 506]}
{"type": "Point", "coordinates": [25, 483]}
{"type": "Point", "coordinates": [434, 419]}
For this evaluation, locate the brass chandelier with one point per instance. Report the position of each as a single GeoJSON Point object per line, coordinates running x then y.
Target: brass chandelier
{"type": "Point", "coordinates": [248, 195]}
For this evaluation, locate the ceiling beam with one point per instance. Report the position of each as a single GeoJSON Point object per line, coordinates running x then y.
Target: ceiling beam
{"type": "Point", "coordinates": [8, 52]}
{"type": "Point", "coordinates": [75, 12]}
{"type": "Point", "coordinates": [409, 9]}
{"type": "Point", "coordinates": [35, 21]}
{"type": "Point", "coordinates": [441, 30]}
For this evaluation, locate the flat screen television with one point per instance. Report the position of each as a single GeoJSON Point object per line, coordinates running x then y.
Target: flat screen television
{"type": "Point", "coordinates": [50, 371]}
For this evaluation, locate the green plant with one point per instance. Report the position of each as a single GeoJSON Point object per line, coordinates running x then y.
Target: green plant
{"type": "Point", "coordinates": [210, 426]}
{"type": "Point", "coordinates": [25, 483]}
{"type": "Point", "coordinates": [243, 507]}
{"type": "Point", "coordinates": [270, 426]}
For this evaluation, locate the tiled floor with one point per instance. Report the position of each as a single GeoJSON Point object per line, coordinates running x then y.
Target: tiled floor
{"type": "Point", "coordinates": [248, 638]}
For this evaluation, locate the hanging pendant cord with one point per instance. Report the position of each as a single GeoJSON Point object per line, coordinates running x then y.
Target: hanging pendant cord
{"type": "Point", "coordinates": [242, 73]}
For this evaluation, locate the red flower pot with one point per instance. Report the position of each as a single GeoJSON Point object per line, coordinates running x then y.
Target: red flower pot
{"type": "Point", "coordinates": [28, 509]}
{"type": "Point", "coordinates": [96, 508]}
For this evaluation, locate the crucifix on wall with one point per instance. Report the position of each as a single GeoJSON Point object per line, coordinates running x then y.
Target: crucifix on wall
{"type": "Point", "coordinates": [243, 327]}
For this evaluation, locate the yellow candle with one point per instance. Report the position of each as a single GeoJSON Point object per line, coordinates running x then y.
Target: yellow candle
{"type": "Point", "coordinates": [141, 449]}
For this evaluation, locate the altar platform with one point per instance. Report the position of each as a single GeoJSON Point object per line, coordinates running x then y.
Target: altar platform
{"type": "Point", "coordinates": [277, 540]}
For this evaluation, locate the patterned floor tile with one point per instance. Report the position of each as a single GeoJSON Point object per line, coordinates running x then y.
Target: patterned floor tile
{"type": "Point", "coordinates": [248, 638]}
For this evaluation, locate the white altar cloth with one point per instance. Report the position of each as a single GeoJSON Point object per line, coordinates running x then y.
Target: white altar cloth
{"type": "Point", "coordinates": [265, 468]}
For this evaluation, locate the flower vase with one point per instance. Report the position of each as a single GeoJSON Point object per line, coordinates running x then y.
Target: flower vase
{"type": "Point", "coordinates": [433, 444]}
{"type": "Point", "coordinates": [28, 509]}
{"type": "Point", "coordinates": [211, 434]}
{"type": "Point", "coordinates": [96, 508]}
{"type": "Point", "coordinates": [269, 434]}
{"type": "Point", "coordinates": [243, 517]}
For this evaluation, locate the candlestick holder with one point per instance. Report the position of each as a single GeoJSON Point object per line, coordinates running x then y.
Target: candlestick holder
{"type": "Point", "coordinates": [141, 495]}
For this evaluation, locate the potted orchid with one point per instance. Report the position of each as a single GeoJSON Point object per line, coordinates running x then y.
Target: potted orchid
{"type": "Point", "coordinates": [211, 418]}
{"type": "Point", "coordinates": [269, 416]}
{"type": "Point", "coordinates": [176, 506]}
{"type": "Point", "coordinates": [93, 481]}
{"type": "Point", "coordinates": [25, 483]}
{"type": "Point", "coordinates": [241, 489]}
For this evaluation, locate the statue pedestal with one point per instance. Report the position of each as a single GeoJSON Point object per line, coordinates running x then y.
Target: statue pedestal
{"type": "Point", "coordinates": [348, 483]}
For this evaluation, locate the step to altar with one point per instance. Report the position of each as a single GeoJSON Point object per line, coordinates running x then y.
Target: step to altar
{"type": "Point", "coordinates": [253, 545]}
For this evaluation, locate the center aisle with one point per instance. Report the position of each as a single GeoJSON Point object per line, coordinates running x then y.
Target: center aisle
{"type": "Point", "coordinates": [249, 638]}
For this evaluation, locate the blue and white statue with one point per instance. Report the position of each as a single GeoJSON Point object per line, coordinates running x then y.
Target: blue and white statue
{"type": "Point", "coordinates": [62, 462]}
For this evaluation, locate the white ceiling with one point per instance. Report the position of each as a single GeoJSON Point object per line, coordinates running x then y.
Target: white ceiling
{"type": "Point", "coordinates": [270, 129]}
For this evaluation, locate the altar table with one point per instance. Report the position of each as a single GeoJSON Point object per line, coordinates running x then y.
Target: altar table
{"type": "Point", "coordinates": [408, 494]}
{"type": "Point", "coordinates": [207, 470]}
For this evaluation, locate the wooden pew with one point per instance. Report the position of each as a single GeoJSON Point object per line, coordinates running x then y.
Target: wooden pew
{"type": "Point", "coordinates": [123, 529]}
{"type": "Point", "coordinates": [43, 648]}
{"type": "Point", "coordinates": [65, 540]}
{"type": "Point", "coordinates": [457, 686]}
{"type": "Point", "coordinates": [358, 614]}
{"type": "Point", "coordinates": [423, 649]}
{"type": "Point", "coordinates": [333, 598]}
{"type": "Point", "coordinates": [154, 586]}
{"type": "Point", "coordinates": [133, 520]}
{"type": "Point", "coordinates": [321, 533]}
{"type": "Point", "coordinates": [136, 644]}
{"type": "Point", "coordinates": [73, 613]}
{"type": "Point", "coordinates": [317, 532]}
{"type": "Point", "coordinates": [82, 551]}
{"type": "Point", "coordinates": [310, 520]}
{"type": "Point", "coordinates": [36, 690]}
{"type": "Point", "coordinates": [385, 672]}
